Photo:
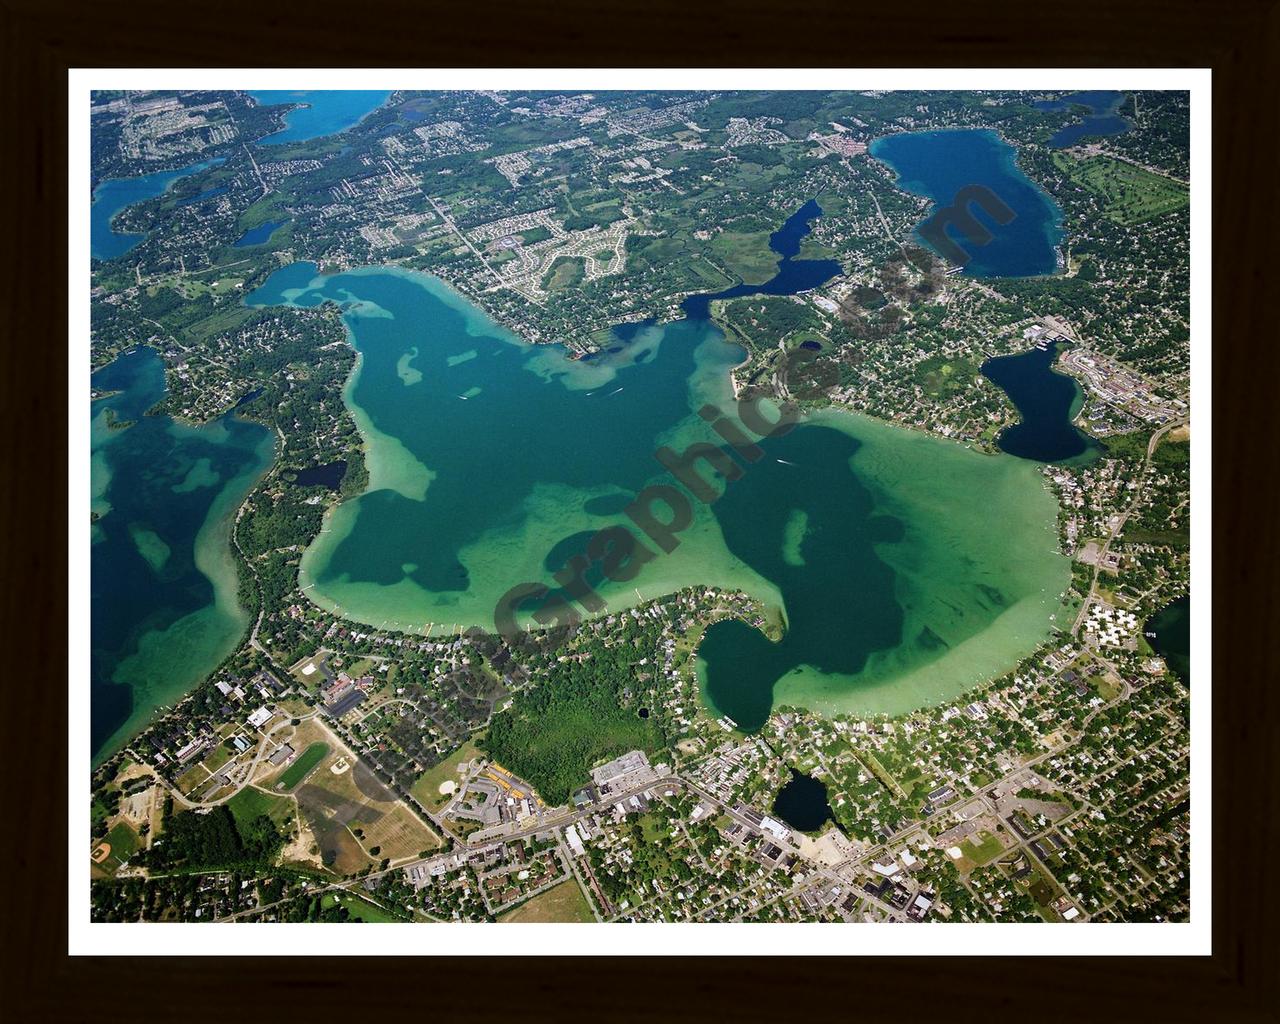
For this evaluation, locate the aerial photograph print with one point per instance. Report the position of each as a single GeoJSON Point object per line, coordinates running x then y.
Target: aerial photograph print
{"type": "Point", "coordinates": [691, 505]}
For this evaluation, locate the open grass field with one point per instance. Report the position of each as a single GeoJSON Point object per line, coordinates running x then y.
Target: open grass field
{"type": "Point", "coordinates": [218, 756]}
{"type": "Point", "coordinates": [812, 249]}
{"type": "Point", "coordinates": [397, 834]}
{"type": "Point", "coordinates": [303, 764]}
{"type": "Point", "coordinates": [1132, 194]}
{"type": "Point", "coordinates": [427, 788]}
{"type": "Point", "coordinates": [747, 254]}
{"type": "Point", "coordinates": [564, 274]}
{"type": "Point", "coordinates": [658, 251]}
{"type": "Point", "coordinates": [563, 903]}
{"type": "Point", "coordinates": [124, 843]}
{"type": "Point", "coordinates": [249, 803]}
{"type": "Point", "coordinates": [1041, 889]}
{"type": "Point", "coordinates": [356, 819]}
{"type": "Point", "coordinates": [191, 778]}
{"type": "Point", "coordinates": [223, 321]}
{"type": "Point", "coordinates": [340, 851]}
{"type": "Point", "coordinates": [294, 706]}
{"type": "Point", "coordinates": [1107, 688]}
{"type": "Point", "coordinates": [709, 275]}
{"type": "Point", "coordinates": [654, 829]}
{"type": "Point", "coordinates": [984, 851]}
{"type": "Point", "coordinates": [360, 909]}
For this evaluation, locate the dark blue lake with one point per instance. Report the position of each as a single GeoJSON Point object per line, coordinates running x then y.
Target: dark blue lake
{"type": "Point", "coordinates": [328, 111]}
{"type": "Point", "coordinates": [257, 236]}
{"type": "Point", "coordinates": [938, 164]}
{"type": "Point", "coordinates": [793, 276]}
{"type": "Point", "coordinates": [802, 803]}
{"type": "Point", "coordinates": [1101, 121]}
{"type": "Point", "coordinates": [328, 475]}
{"type": "Point", "coordinates": [1047, 402]}
{"type": "Point", "coordinates": [115, 194]}
{"type": "Point", "coordinates": [1169, 633]}
{"type": "Point", "coordinates": [835, 514]}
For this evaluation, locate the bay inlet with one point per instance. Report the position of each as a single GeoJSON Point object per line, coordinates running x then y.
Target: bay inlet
{"type": "Point", "coordinates": [320, 111]}
{"type": "Point", "coordinates": [116, 194]}
{"type": "Point", "coordinates": [162, 578]}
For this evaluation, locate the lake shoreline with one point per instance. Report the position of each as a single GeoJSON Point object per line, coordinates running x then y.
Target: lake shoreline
{"type": "Point", "coordinates": [162, 549]}
{"type": "Point", "coordinates": [450, 621]}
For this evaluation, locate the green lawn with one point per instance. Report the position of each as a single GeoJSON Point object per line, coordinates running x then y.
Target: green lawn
{"type": "Point", "coordinates": [984, 851]}
{"type": "Point", "coordinates": [249, 803]}
{"type": "Point", "coordinates": [124, 843]}
{"type": "Point", "coordinates": [1041, 890]}
{"type": "Point", "coordinates": [427, 788]}
{"type": "Point", "coordinates": [1131, 194]}
{"type": "Point", "coordinates": [747, 254]}
{"type": "Point", "coordinates": [563, 903]}
{"type": "Point", "coordinates": [302, 766]}
{"type": "Point", "coordinates": [1107, 690]}
{"type": "Point", "coordinates": [219, 756]}
{"type": "Point", "coordinates": [361, 909]}
{"type": "Point", "coordinates": [654, 828]}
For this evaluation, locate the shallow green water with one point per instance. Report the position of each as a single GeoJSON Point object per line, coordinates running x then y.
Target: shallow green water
{"type": "Point", "coordinates": [908, 568]}
{"type": "Point", "coordinates": [925, 568]}
{"type": "Point", "coordinates": [163, 583]}
{"type": "Point", "coordinates": [481, 467]}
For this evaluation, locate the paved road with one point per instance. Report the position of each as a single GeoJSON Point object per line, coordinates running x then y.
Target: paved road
{"type": "Point", "coordinates": [253, 768]}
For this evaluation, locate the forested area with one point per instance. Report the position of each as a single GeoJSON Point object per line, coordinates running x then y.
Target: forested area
{"type": "Point", "coordinates": [583, 712]}
{"type": "Point", "coordinates": [194, 839]}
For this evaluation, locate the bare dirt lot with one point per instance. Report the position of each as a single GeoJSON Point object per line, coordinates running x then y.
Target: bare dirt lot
{"type": "Point", "coordinates": [355, 818]}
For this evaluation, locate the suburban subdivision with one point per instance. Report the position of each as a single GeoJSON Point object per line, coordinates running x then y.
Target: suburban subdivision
{"type": "Point", "coordinates": [671, 506]}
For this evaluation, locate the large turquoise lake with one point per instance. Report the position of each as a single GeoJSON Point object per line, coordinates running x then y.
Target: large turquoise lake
{"type": "Point", "coordinates": [939, 164]}
{"type": "Point", "coordinates": [327, 111]}
{"type": "Point", "coordinates": [163, 586]}
{"type": "Point", "coordinates": [905, 568]}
